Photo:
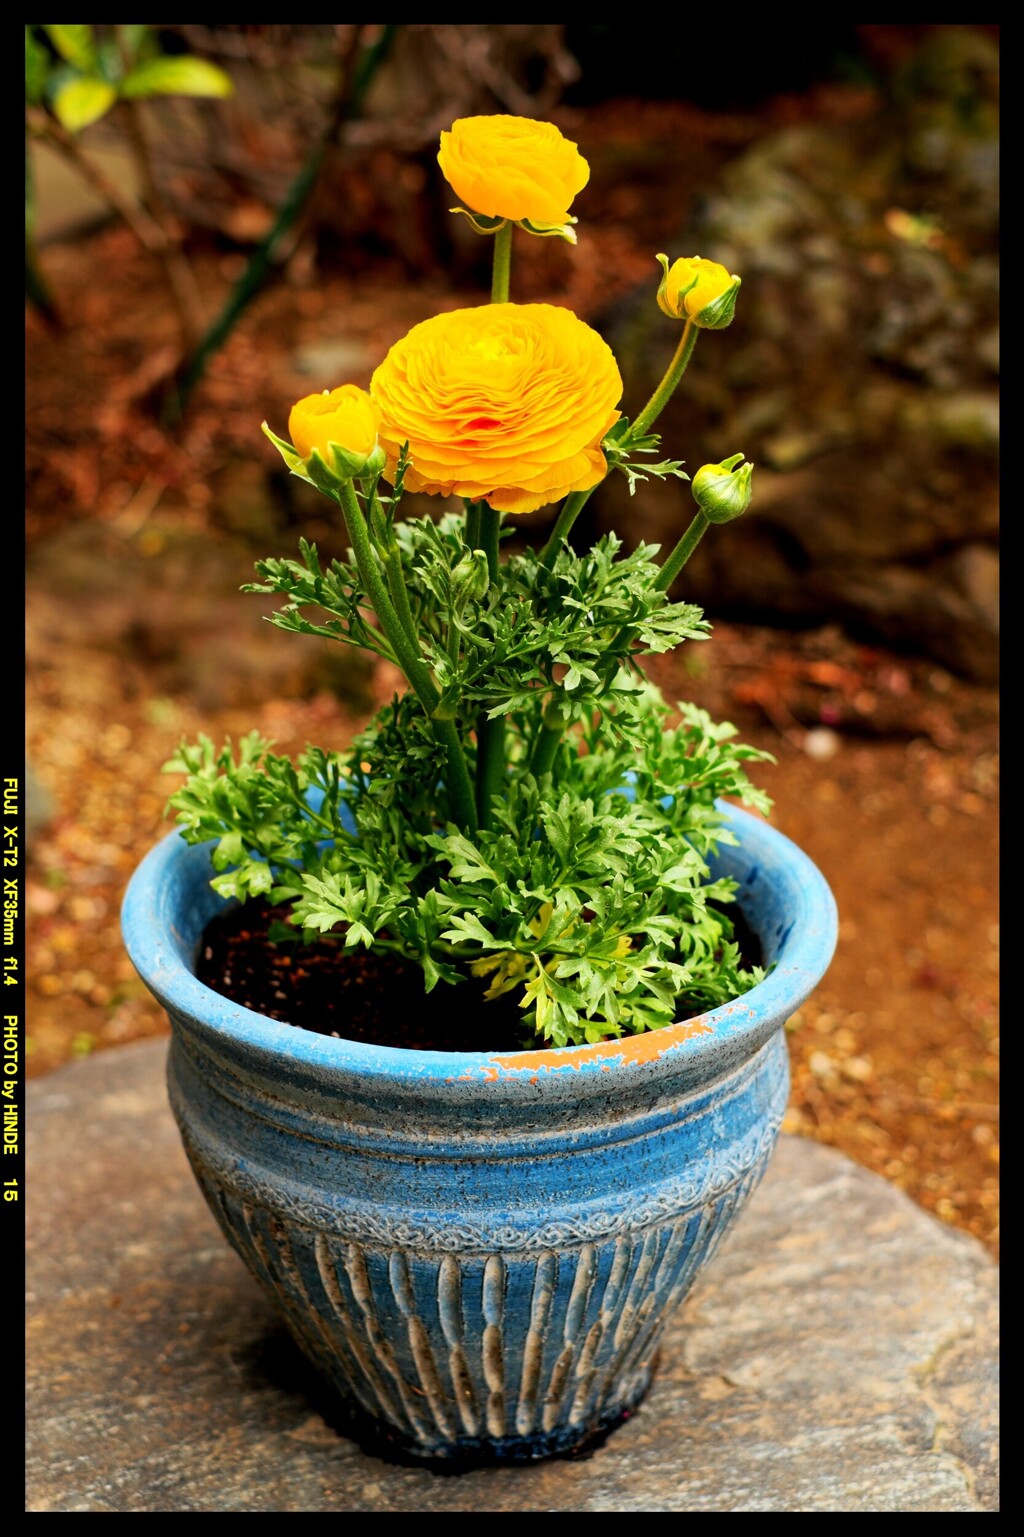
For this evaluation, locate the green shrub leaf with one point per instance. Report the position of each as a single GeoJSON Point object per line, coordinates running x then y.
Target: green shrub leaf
{"type": "Point", "coordinates": [183, 75]}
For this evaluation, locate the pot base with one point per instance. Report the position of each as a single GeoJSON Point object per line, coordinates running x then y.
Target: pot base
{"type": "Point", "coordinates": [380, 1440]}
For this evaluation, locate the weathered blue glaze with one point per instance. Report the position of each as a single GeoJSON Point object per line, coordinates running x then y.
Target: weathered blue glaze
{"type": "Point", "coordinates": [481, 1250]}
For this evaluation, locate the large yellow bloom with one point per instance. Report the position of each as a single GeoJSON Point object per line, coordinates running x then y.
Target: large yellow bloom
{"type": "Point", "coordinates": [506, 404]}
{"type": "Point", "coordinates": [513, 168]}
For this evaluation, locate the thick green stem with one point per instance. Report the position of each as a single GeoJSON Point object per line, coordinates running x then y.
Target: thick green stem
{"type": "Point", "coordinates": [407, 651]}
{"type": "Point", "coordinates": [459, 784]}
{"type": "Point", "coordinates": [545, 747]}
{"type": "Point", "coordinates": [502, 269]}
{"type": "Point", "coordinates": [398, 590]}
{"type": "Point", "coordinates": [473, 524]}
{"type": "Point", "coordinates": [571, 509]}
{"type": "Point", "coordinates": [675, 371]}
{"type": "Point", "coordinates": [490, 526]}
{"type": "Point", "coordinates": [490, 765]}
{"type": "Point", "coordinates": [682, 552]}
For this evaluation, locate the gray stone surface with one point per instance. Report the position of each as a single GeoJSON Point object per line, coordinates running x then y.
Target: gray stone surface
{"type": "Point", "coordinates": [839, 1355]}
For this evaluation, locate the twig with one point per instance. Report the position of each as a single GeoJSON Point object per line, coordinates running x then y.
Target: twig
{"type": "Point", "coordinates": [181, 281]}
{"type": "Point", "coordinates": [354, 79]}
{"type": "Point", "coordinates": [145, 228]}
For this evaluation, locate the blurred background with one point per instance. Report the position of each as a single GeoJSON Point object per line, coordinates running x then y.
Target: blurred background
{"type": "Point", "coordinates": [222, 219]}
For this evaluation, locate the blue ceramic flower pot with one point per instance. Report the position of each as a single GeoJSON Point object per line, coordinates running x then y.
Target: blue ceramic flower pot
{"type": "Point", "coordinates": [481, 1250]}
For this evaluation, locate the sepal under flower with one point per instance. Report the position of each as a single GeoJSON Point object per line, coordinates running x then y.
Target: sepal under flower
{"type": "Point", "coordinates": [562, 231]}
{"type": "Point", "coordinates": [490, 226]}
{"type": "Point", "coordinates": [480, 221]}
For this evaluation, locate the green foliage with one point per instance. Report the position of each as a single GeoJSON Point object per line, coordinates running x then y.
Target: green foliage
{"type": "Point", "coordinates": [75, 44]}
{"type": "Point", "coordinates": [587, 892]}
{"type": "Point", "coordinates": [621, 444]}
{"type": "Point", "coordinates": [82, 99]}
{"type": "Point", "coordinates": [82, 73]}
{"type": "Point", "coordinates": [177, 76]}
{"type": "Point", "coordinates": [37, 67]}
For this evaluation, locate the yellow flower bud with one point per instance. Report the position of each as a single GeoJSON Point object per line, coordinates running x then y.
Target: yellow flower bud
{"type": "Point", "coordinates": [334, 437]}
{"type": "Point", "coordinates": [341, 425]}
{"type": "Point", "coordinates": [698, 290]}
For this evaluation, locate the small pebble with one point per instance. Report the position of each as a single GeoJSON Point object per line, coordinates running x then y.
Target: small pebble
{"type": "Point", "coordinates": [821, 743]}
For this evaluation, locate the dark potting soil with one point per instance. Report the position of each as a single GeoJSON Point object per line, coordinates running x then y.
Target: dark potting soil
{"type": "Point", "coordinates": [358, 996]}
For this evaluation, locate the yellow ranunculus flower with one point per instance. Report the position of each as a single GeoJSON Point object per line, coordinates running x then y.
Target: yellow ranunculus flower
{"type": "Point", "coordinates": [698, 290]}
{"type": "Point", "coordinates": [506, 403]}
{"type": "Point", "coordinates": [513, 168]}
{"type": "Point", "coordinates": [346, 416]}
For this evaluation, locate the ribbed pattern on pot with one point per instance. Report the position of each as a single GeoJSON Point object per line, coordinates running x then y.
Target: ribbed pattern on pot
{"type": "Point", "coordinates": [430, 1343]}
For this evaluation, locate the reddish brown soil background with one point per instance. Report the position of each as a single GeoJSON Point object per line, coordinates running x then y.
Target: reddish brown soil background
{"type": "Point", "coordinates": [139, 538]}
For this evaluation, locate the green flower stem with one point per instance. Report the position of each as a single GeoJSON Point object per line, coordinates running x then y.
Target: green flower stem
{"type": "Point", "coordinates": [407, 652]}
{"type": "Point", "coordinates": [675, 371]}
{"type": "Point", "coordinates": [571, 509]}
{"type": "Point", "coordinates": [473, 524]}
{"type": "Point", "coordinates": [490, 733]}
{"type": "Point", "coordinates": [490, 525]}
{"type": "Point", "coordinates": [404, 646]}
{"type": "Point", "coordinates": [460, 787]}
{"type": "Point", "coordinates": [545, 747]}
{"type": "Point", "coordinates": [490, 765]}
{"type": "Point", "coordinates": [378, 523]}
{"type": "Point", "coordinates": [451, 642]}
{"type": "Point", "coordinates": [682, 552]}
{"type": "Point", "coordinates": [398, 590]}
{"type": "Point", "coordinates": [384, 533]}
{"type": "Point", "coordinates": [502, 269]}
{"type": "Point", "coordinates": [482, 525]}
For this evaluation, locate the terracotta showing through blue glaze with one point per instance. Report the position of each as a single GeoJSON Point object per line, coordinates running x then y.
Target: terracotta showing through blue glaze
{"type": "Point", "coordinates": [481, 1250]}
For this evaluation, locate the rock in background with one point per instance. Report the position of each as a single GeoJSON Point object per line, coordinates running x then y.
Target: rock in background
{"type": "Point", "coordinates": [860, 374]}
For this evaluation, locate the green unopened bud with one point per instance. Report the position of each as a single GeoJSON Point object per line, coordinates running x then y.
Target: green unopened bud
{"type": "Point", "coordinates": [721, 491]}
{"type": "Point", "coordinates": [470, 578]}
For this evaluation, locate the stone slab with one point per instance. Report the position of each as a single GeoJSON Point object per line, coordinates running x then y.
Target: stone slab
{"type": "Point", "coordinates": [838, 1355]}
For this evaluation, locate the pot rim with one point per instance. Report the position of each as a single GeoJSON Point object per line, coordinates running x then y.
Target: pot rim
{"type": "Point", "coordinates": [801, 955]}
